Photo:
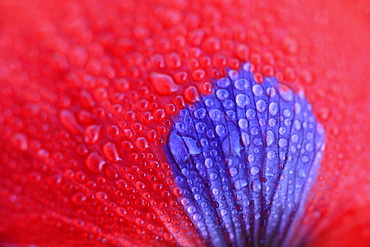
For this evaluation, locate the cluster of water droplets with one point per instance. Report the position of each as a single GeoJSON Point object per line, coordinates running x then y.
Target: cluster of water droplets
{"type": "Point", "coordinates": [245, 157]}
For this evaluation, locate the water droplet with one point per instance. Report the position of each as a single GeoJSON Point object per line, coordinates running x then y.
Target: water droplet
{"type": "Point", "coordinates": [305, 159]}
{"type": "Point", "coordinates": [290, 45]}
{"type": "Point", "coordinates": [256, 185]}
{"type": "Point", "coordinates": [233, 171]}
{"type": "Point", "coordinates": [191, 210]}
{"type": "Point", "coordinates": [86, 99]}
{"type": "Point", "coordinates": [243, 124]}
{"type": "Point", "coordinates": [95, 162]}
{"type": "Point", "coordinates": [200, 113]}
{"type": "Point", "coordinates": [233, 74]}
{"type": "Point", "coordinates": [254, 131]}
{"type": "Point", "coordinates": [198, 75]}
{"type": "Point", "coordinates": [121, 211]}
{"type": "Point", "coordinates": [220, 130]}
{"type": "Point", "coordinates": [272, 122]}
{"type": "Point", "coordinates": [191, 94]}
{"type": "Point", "coordinates": [78, 198]}
{"type": "Point", "coordinates": [324, 113]}
{"type": "Point", "coordinates": [121, 84]}
{"type": "Point", "coordinates": [200, 127]}
{"type": "Point", "coordinates": [110, 152]}
{"type": "Point", "coordinates": [240, 184]}
{"type": "Point", "coordinates": [242, 100]}
{"type": "Point", "coordinates": [215, 192]}
{"type": "Point", "coordinates": [173, 60]}
{"type": "Point", "coordinates": [213, 176]}
{"type": "Point", "coordinates": [55, 179]}
{"type": "Point", "coordinates": [241, 84]}
{"type": "Point", "coordinates": [294, 138]}
{"type": "Point", "coordinates": [257, 90]}
{"type": "Point", "coordinates": [287, 113]}
{"type": "Point", "coordinates": [163, 84]}
{"type": "Point", "coordinates": [250, 114]}
{"type": "Point", "coordinates": [222, 94]}
{"type": "Point", "coordinates": [140, 186]}
{"type": "Point", "coordinates": [261, 105]}
{"type": "Point", "coordinates": [282, 142]}
{"type": "Point", "coordinates": [126, 145]}
{"type": "Point", "coordinates": [206, 88]}
{"type": "Point", "coordinates": [211, 44]}
{"type": "Point", "coordinates": [197, 217]}
{"type": "Point", "coordinates": [271, 155]}
{"type": "Point", "coordinates": [282, 130]}
{"type": "Point", "coordinates": [306, 77]}
{"type": "Point", "coordinates": [254, 170]}
{"type": "Point", "coordinates": [92, 134]}
{"type": "Point", "coordinates": [273, 108]}
{"type": "Point", "coordinates": [100, 93]}
{"type": "Point", "coordinates": [180, 126]}
{"type": "Point", "coordinates": [215, 115]}
{"type": "Point", "coordinates": [223, 212]}
{"type": "Point", "coordinates": [141, 143]}
{"type": "Point", "coordinates": [286, 93]}
{"type": "Point", "coordinates": [208, 163]}
{"type": "Point", "coordinates": [69, 121]}
{"type": "Point", "coordinates": [223, 82]}
{"type": "Point", "coordinates": [80, 176]}
{"type": "Point", "coordinates": [86, 117]}
{"type": "Point", "coordinates": [210, 102]}
{"type": "Point", "coordinates": [19, 141]}
{"type": "Point", "coordinates": [245, 139]}
{"type": "Point", "coordinates": [271, 92]}
{"type": "Point", "coordinates": [177, 191]}
{"type": "Point", "coordinates": [269, 138]}
{"type": "Point", "coordinates": [228, 104]}
{"type": "Point", "coordinates": [102, 196]}
{"type": "Point", "coordinates": [171, 108]}
{"type": "Point", "coordinates": [159, 115]}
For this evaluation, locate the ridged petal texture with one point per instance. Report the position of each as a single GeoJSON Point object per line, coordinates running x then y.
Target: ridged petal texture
{"type": "Point", "coordinates": [245, 157]}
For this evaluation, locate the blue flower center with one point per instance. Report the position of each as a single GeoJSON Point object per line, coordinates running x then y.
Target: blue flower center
{"type": "Point", "coordinates": [245, 158]}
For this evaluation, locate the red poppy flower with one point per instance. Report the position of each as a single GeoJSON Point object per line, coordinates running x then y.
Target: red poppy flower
{"type": "Point", "coordinates": [90, 92]}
